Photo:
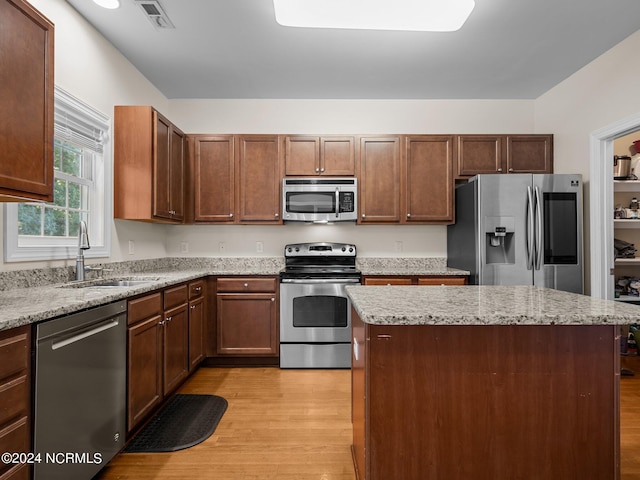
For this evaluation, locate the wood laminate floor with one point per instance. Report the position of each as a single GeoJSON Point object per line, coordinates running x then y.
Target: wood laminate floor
{"type": "Point", "coordinates": [280, 424]}
{"type": "Point", "coordinates": [296, 425]}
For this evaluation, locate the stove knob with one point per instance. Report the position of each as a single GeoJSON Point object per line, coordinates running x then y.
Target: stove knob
{"type": "Point", "coordinates": [350, 249]}
{"type": "Point", "coordinates": [289, 249]}
{"type": "Point", "coordinates": [297, 249]}
{"type": "Point", "coordinates": [344, 249]}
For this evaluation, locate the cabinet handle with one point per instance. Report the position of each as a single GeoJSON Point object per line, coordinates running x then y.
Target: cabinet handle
{"type": "Point", "coordinates": [322, 169]}
{"type": "Point", "coordinates": [363, 215]}
{"type": "Point", "coordinates": [168, 319]}
{"type": "Point", "coordinates": [511, 169]}
{"type": "Point", "coordinates": [273, 299]}
{"type": "Point", "coordinates": [276, 215]}
{"type": "Point", "coordinates": [500, 170]}
{"type": "Point", "coordinates": [317, 169]}
{"type": "Point", "coordinates": [193, 307]}
{"type": "Point", "coordinates": [198, 289]}
{"type": "Point", "coordinates": [408, 215]}
{"type": "Point", "coordinates": [161, 323]}
{"type": "Point", "coordinates": [246, 285]}
{"type": "Point", "coordinates": [231, 215]}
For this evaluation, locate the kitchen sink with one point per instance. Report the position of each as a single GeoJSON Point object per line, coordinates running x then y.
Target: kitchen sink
{"type": "Point", "coordinates": [112, 282]}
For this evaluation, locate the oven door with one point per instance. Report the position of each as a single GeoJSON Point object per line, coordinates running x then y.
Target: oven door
{"type": "Point", "coordinates": [315, 310]}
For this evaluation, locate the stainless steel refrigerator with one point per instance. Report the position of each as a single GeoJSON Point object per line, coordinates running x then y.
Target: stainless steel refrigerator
{"type": "Point", "coordinates": [519, 229]}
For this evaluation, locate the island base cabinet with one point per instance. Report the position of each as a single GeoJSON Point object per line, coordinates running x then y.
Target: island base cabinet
{"type": "Point", "coordinates": [495, 402]}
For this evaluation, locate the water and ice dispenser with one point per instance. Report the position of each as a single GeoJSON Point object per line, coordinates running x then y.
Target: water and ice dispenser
{"type": "Point", "coordinates": [500, 245]}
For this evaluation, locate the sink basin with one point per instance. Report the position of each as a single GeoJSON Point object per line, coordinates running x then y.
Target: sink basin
{"type": "Point", "coordinates": [111, 282]}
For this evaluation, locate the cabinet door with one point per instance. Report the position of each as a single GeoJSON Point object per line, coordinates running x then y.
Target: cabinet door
{"type": "Point", "coordinates": [247, 324]}
{"type": "Point", "coordinates": [302, 155]}
{"type": "Point", "coordinates": [196, 333]}
{"type": "Point", "coordinates": [379, 177]}
{"type": "Point", "coordinates": [176, 347]}
{"type": "Point", "coordinates": [161, 167]}
{"type": "Point", "coordinates": [259, 169]}
{"type": "Point", "coordinates": [176, 174]}
{"type": "Point", "coordinates": [337, 156]}
{"type": "Point", "coordinates": [479, 154]}
{"type": "Point", "coordinates": [26, 96]}
{"type": "Point", "coordinates": [213, 177]}
{"type": "Point", "coordinates": [144, 370]}
{"type": "Point", "coordinates": [530, 153]}
{"type": "Point", "coordinates": [429, 179]}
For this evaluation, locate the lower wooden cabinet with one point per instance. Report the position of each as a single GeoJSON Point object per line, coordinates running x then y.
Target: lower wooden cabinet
{"type": "Point", "coordinates": [247, 316]}
{"type": "Point", "coordinates": [197, 317]}
{"type": "Point", "coordinates": [158, 358]}
{"type": "Point", "coordinates": [15, 399]}
{"type": "Point", "coordinates": [415, 280]}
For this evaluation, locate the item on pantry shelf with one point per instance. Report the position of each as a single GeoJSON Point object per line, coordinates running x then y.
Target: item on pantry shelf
{"type": "Point", "coordinates": [623, 249]}
{"type": "Point", "coordinates": [634, 204]}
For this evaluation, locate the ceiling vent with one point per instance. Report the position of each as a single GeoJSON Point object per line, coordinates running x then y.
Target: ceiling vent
{"type": "Point", "coordinates": [155, 13]}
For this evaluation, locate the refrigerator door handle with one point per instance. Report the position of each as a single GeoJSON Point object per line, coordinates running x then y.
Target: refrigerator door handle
{"type": "Point", "coordinates": [530, 230]}
{"type": "Point", "coordinates": [538, 230]}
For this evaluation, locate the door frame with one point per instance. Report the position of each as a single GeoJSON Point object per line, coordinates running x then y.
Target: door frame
{"type": "Point", "coordinates": [601, 203]}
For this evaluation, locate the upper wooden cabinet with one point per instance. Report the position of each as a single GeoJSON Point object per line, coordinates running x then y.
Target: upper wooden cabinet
{"type": "Point", "coordinates": [259, 169]}
{"type": "Point", "coordinates": [428, 179]}
{"type": "Point", "coordinates": [379, 173]}
{"type": "Point", "coordinates": [310, 155]}
{"type": "Point", "coordinates": [412, 184]}
{"type": "Point", "coordinates": [26, 96]}
{"type": "Point", "coordinates": [149, 166]}
{"type": "Point", "coordinates": [212, 178]}
{"type": "Point", "coordinates": [504, 154]}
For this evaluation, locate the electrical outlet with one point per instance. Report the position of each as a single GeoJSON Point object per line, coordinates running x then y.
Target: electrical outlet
{"type": "Point", "coordinates": [259, 247]}
{"type": "Point", "coordinates": [184, 247]}
{"type": "Point", "coordinates": [222, 246]}
{"type": "Point", "coordinates": [398, 246]}
{"type": "Point", "coordinates": [132, 247]}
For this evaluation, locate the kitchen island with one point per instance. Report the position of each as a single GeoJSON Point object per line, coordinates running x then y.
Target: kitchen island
{"type": "Point", "coordinates": [485, 382]}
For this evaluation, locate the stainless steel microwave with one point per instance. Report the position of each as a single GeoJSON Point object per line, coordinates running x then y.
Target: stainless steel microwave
{"type": "Point", "coordinates": [319, 199]}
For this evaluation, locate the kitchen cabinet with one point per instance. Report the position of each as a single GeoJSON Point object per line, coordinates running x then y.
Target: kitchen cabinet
{"type": "Point", "coordinates": [197, 309]}
{"type": "Point", "coordinates": [15, 399]}
{"type": "Point", "coordinates": [428, 179]}
{"type": "Point", "coordinates": [312, 155]}
{"type": "Point", "coordinates": [459, 401]}
{"type": "Point", "coordinates": [144, 357]}
{"type": "Point", "coordinates": [379, 171]}
{"type": "Point", "coordinates": [158, 350]}
{"type": "Point", "coordinates": [149, 166]}
{"type": "Point", "coordinates": [176, 337]}
{"type": "Point", "coordinates": [259, 168]}
{"type": "Point", "coordinates": [415, 280]}
{"type": "Point", "coordinates": [247, 316]}
{"type": "Point", "coordinates": [479, 154]}
{"type": "Point", "coordinates": [409, 185]}
{"type": "Point", "coordinates": [212, 179]}
{"type": "Point", "coordinates": [26, 96]}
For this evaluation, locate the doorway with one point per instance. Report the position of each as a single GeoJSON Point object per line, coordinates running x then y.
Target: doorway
{"type": "Point", "coordinates": [601, 204]}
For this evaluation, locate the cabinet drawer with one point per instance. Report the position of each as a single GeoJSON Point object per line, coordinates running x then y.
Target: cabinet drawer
{"type": "Point", "coordinates": [144, 307]}
{"type": "Point", "coordinates": [444, 280]}
{"type": "Point", "coordinates": [175, 296]}
{"type": "Point", "coordinates": [14, 351]}
{"type": "Point", "coordinates": [388, 281]}
{"type": "Point", "coordinates": [247, 284]}
{"type": "Point", "coordinates": [14, 399]}
{"type": "Point", "coordinates": [15, 438]}
{"type": "Point", "coordinates": [17, 472]}
{"type": "Point", "coordinates": [196, 289]}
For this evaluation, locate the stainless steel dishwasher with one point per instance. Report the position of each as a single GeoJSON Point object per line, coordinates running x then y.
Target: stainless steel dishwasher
{"type": "Point", "coordinates": [80, 392]}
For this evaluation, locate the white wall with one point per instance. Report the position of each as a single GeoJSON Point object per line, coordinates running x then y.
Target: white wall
{"type": "Point", "coordinates": [600, 94]}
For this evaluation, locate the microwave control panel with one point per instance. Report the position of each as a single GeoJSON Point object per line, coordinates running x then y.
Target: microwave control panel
{"type": "Point", "coordinates": [347, 201]}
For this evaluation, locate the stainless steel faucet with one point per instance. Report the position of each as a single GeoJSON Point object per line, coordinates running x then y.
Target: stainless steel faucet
{"type": "Point", "coordinates": [83, 244]}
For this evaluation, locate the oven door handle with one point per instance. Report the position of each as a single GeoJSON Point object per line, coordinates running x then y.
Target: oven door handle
{"type": "Point", "coordinates": [320, 280]}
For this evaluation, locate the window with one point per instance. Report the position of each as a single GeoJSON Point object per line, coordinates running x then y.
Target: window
{"type": "Point", "coordinates": [44, 231]}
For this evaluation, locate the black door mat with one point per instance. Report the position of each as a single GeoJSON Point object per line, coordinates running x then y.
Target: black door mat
{"type": "Point", "coordinates": [183, 422]}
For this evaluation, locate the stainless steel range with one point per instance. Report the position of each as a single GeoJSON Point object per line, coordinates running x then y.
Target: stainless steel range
{"type": "Point", "coordinates": [315, 312]}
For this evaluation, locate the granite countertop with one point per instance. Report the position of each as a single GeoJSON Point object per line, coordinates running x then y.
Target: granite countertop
{"type": "Point", "coordinates": [29, 296]}
{"type": "Point", "coordinates": [484, 305]}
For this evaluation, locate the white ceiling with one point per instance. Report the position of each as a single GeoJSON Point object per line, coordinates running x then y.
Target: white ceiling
{"type": "Point", "coordinates": [507, 49]}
